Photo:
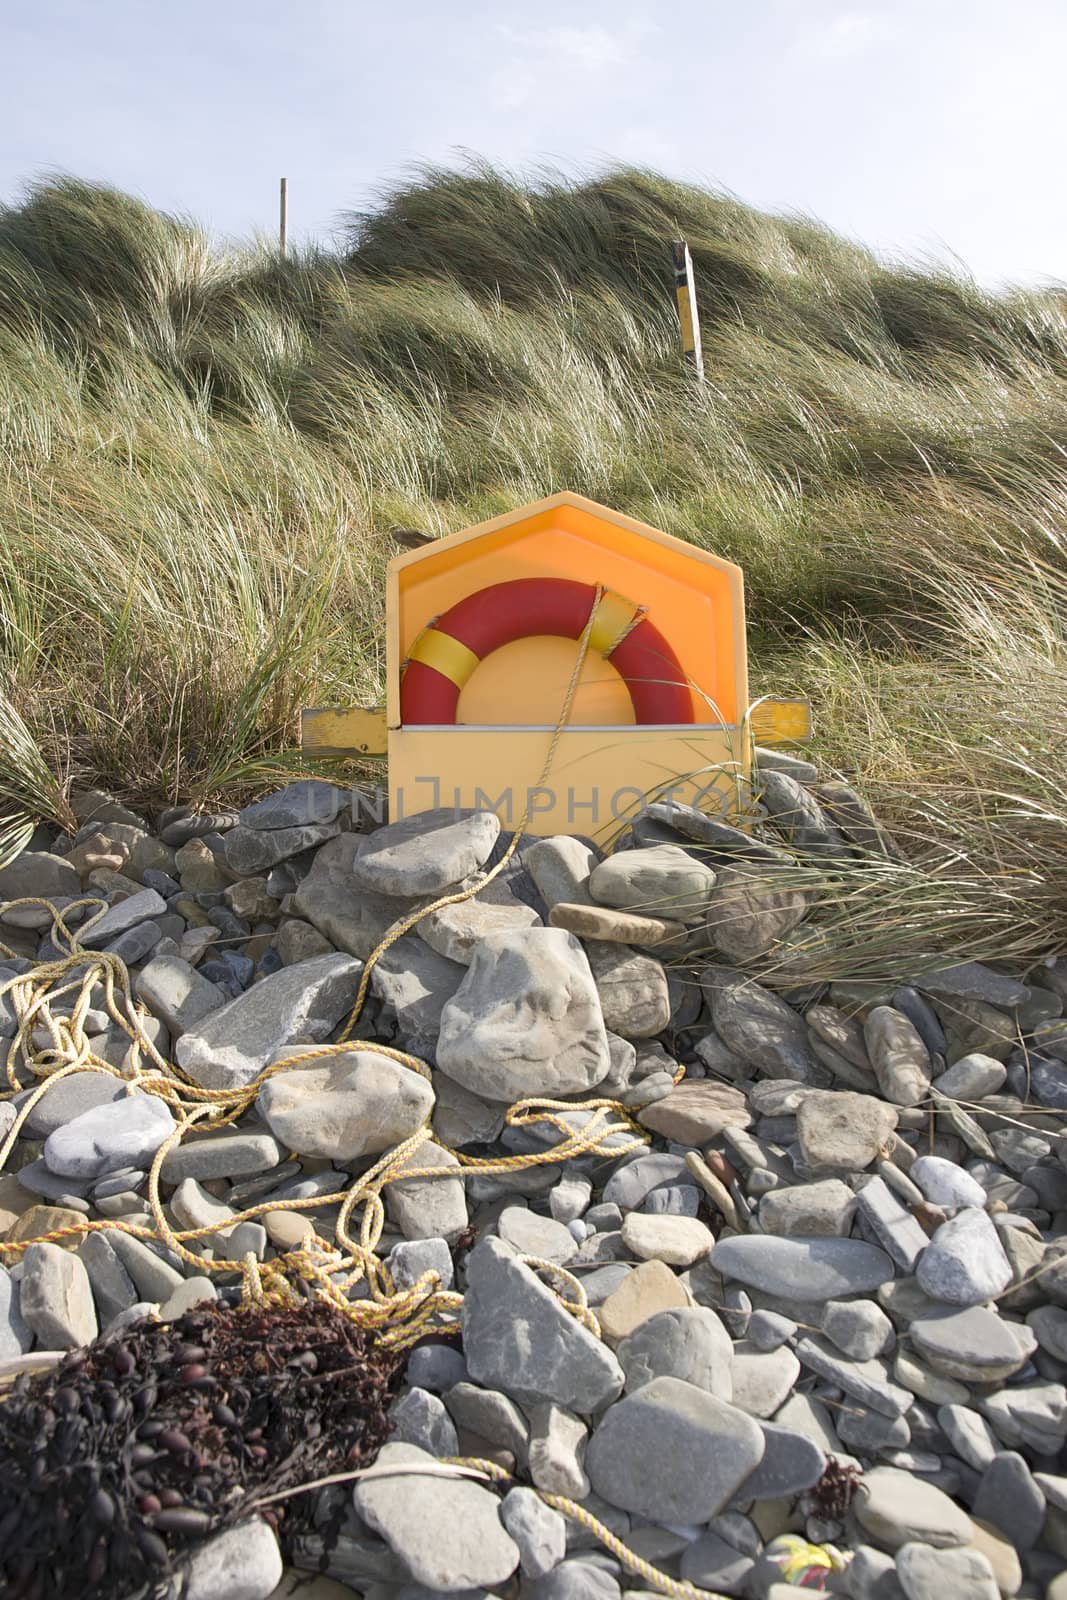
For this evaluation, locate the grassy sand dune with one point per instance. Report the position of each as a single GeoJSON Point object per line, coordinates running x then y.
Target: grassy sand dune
{"type": "Point", "coordinates": [203, 450]}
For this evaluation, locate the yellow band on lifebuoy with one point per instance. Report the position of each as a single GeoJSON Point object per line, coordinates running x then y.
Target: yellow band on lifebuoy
{"type": "Point", "coordinates": [611, 621]}
{"type": "Point", "coordinates": [445, 655]}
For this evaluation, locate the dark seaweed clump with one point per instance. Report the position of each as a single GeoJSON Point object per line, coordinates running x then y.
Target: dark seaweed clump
{"type": "Point", "coordinates": [132, 1451]}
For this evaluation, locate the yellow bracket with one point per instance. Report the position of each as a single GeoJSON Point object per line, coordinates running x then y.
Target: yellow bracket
{"type": "Point", "coordinates": [360, 729]}
{"type": "Point", "coordinates": [780, 721]}
{"type": "Point", "coordinates": [363, 730]}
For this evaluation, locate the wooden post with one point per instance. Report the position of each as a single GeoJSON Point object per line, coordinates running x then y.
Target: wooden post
{"type": "Point", "coordinates": [688, 317]}
{"type": "Point", "coordinates": [283, 215]}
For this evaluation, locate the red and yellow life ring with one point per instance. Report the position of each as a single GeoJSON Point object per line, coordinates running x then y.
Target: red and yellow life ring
{"type": "Point", "coordinates": [445, 655]}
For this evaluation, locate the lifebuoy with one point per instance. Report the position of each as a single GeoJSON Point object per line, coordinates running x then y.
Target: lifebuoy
{"type": "Point", "coordinates": [445, 655]}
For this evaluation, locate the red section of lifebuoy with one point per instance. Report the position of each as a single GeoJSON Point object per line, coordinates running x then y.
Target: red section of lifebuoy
{"type": "Point", "coordinates": [525, 608]}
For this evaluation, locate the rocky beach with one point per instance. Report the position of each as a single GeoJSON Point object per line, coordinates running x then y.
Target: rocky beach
{"type": "Point", "coordinates": [735, 1269]}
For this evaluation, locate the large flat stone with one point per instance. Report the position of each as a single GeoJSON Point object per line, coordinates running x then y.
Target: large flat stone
{"type": "Point", "coordinates": [37, 874]}
{"type": "Point", "coordinates": [662, 881]}
{"type": "Point", "coordinates": [973, 1344]}
{"type": "Point", "coordinates": [70, 1098]}
{"type": "Point", "coordinates": [759, 1027]}
{"type": "Point", "coordinates": [632, 989]}
{"type": "Point", "coordinates": [518, 1337]}
{"type": "Point", "coordinates": [415, 984]}
{"type": "Point", "coordinates": [306, 802]}
{"type": "Point", "coordinates": [428, 1208]}
{"type": "Point", "coordinates": [803, 1269]}
{"type": "Point", "coordinates": [792, 1462]}
{"type": "Point", "coordinates": [929, 1574]}
{"type": "Point", "coordinates": [672, 1452]}
{"type": "Point", "coordinates": [224, 1155]}
{"type": "Point", "coordinates": [842, 1132]}
{"type": "Point", "coordinates": [250, 851]}
{"type": "Point", "coordinates": [455, 932]}
{"type": "Point", "coordinates": [425, 854]}
{"type": "Point", "coordinates": [898, 1508]}
{"type": "Point", "coordinates": [242, 1563]}
{"type": "Point", "coordinates": [301, 1004]}
{"type": "Point", "coordinates": [610, 926]}
{"type": "Point", "coordinates": [649, 1288]}
{"type": "Point", "coordinates": [447, 1531]}
{"type": "Point", "coordinates": [696, 1111]}
{"type": "Point", "coordinates": [113, 1288]}
{"type": "Point", "coordinates": [753, 906]}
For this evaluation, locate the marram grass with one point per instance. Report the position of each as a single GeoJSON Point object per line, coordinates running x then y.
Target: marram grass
{"type": "Point", "coordinates": [202, 451]}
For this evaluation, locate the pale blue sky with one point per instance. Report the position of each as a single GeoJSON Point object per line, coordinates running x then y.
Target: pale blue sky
{"type": "Point", "coordinates": [918, 126]}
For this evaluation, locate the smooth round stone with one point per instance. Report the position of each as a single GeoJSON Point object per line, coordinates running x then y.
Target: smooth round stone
{"type": "Point", "coordinates": [972, 1077]}
{"type": "Point", "coordinates": [945, 1183]}
{"type": "Point", "coordinates": [803, 1269]}
{"type": "Point", "coordinates": [287, 1230]}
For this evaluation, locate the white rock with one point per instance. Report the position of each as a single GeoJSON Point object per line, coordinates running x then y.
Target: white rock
{"type": "Point", "coordinates": [121, 1133]}
{"type": "Point", "coordinates": [244, 1563]}
{"type": "Point", "coordinates": [526, 1019]}
{"type": "Point", "coordinates": [352, 1104]}
{"type": "Point", "coordinates": [964, 1263]}
{"type": "Point", "coordinates": [677, 1240]}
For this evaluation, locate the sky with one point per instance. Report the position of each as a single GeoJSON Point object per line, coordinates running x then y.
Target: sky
{"type": "Point", "coordinates": [923, 128]}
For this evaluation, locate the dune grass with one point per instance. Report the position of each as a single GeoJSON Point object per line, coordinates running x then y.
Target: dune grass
{"type": "Point", "coordinates": [202, 451]}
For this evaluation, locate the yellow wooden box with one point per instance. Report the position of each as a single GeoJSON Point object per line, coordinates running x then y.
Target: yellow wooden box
{"type": "Point", "coordinates": [605, 766]}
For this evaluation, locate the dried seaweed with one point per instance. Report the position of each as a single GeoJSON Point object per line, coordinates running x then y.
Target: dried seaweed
{"type": "Point", "coordinates": [132, 1451]}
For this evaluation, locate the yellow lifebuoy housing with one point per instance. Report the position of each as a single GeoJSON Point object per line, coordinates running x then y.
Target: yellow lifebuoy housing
{"type": "Point", "coordinates": [509, 701]}
{"type": "Point", "coordinates": [660, 708]}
